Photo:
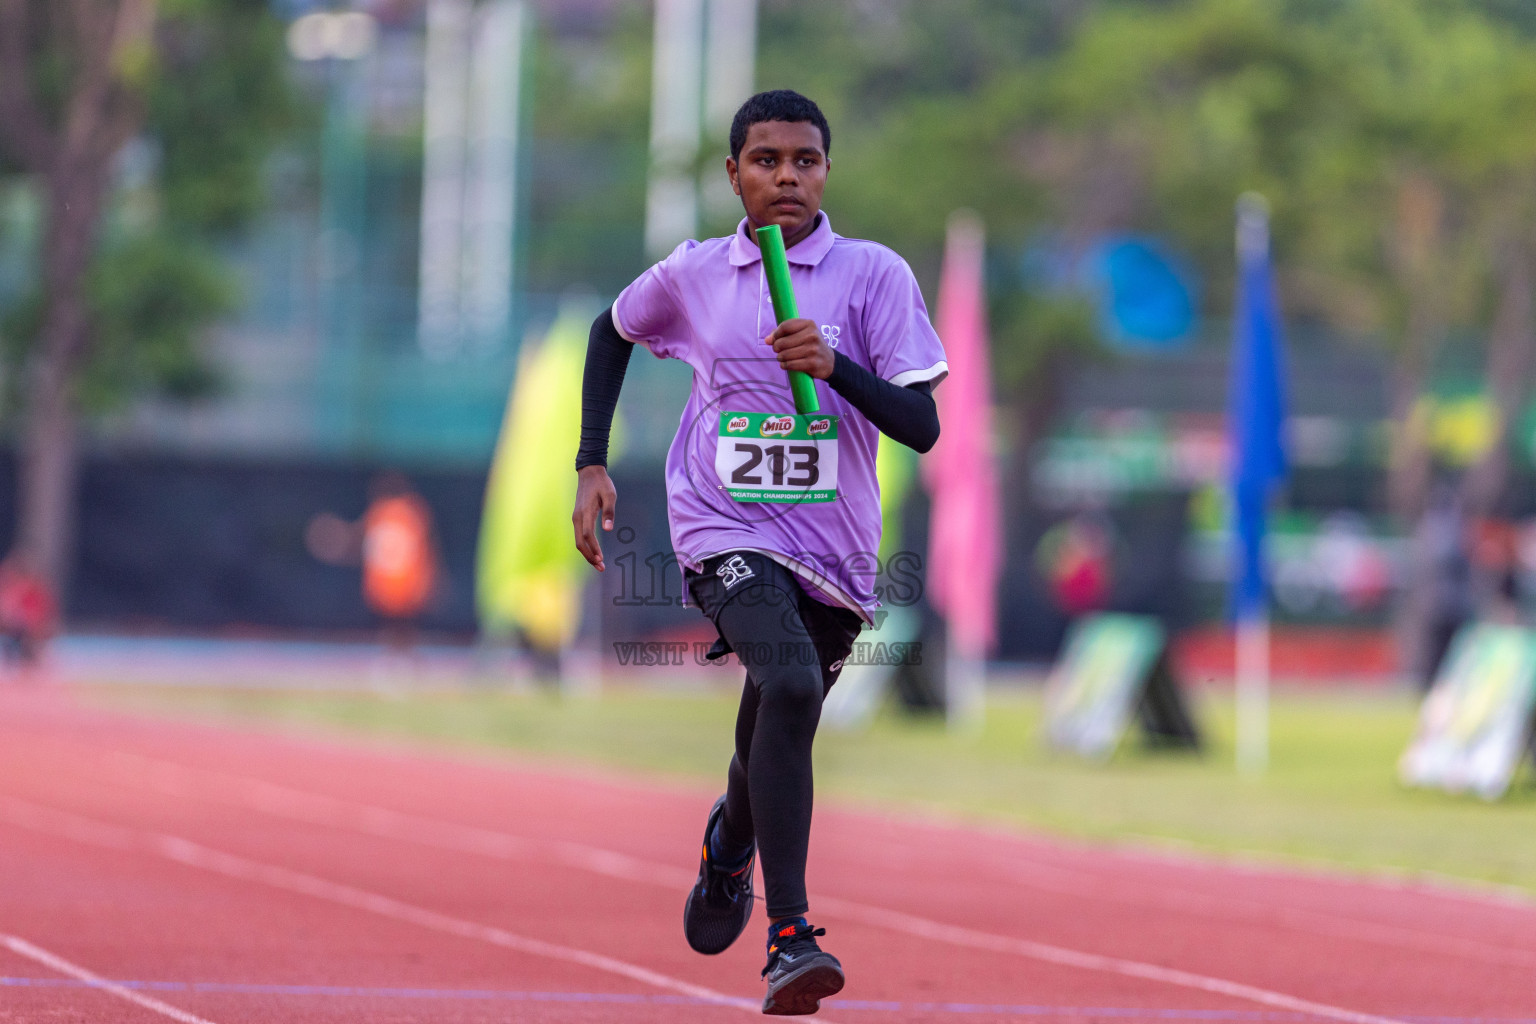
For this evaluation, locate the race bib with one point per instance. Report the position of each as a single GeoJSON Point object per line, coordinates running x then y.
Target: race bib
{"type": "Point", "coordinates": [763, 457]}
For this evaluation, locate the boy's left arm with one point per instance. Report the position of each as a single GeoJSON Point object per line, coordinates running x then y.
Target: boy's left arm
{"type": "Point", "coordinates": [904, 414]}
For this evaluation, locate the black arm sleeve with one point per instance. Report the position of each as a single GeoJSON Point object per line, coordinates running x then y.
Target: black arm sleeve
{"type": "Point", "coordinates": [904, 414]}
{"type": "Point", "coordinates": [607, 360]}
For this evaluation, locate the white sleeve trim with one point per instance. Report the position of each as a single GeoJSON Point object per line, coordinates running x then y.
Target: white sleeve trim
{"type": "Point", "coordinates": [937, 372]}
{"type": "Point", "coordinates": [614, 316]}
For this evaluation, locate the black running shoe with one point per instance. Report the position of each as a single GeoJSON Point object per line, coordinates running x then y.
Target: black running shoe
{"type": "Point", "coordinates": [800, 973]}
{"type": "Point", "coordinates": [720, 902]}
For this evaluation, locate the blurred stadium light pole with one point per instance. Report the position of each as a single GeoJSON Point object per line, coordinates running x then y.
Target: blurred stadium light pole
{"type": "Point", "coordinates": [445, 113]}
{"type": "Point", "coordinates": [730, 68]}
{"type": "Point", "coordinates": [492, 188]}
{"type": "Point", "coordinates": [343, 41]}
{"type": "Point", "coordinates": [1256, 422]}
{"type": "Point", "coordinates": [470, 129]}
{"type": "Point", "coordinates": [672, 197]}
{"type": "Point", "coordinates": [704, 60]}
{"type": "Point", "coordinates": [730, 60]}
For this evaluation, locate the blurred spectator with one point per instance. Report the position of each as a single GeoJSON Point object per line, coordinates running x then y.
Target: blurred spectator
{"type": "Point", "coordinates": [1075, 557]}
{"type": "Point", "coordinates": [1496, 559]}
{"type": "Point", "coordinates": [1442, 551]}
{"type": "Point", "coordinates": [28, 612]}
{"type": "Point", "coordinates": [394, 544]}
{"type": "Point", "coordinates": [399, 558]}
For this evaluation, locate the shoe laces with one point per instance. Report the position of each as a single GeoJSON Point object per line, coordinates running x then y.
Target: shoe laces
{"type": "Point", "coordinates": [720, 884]}
{"type": "Point", "coordinates": [799, 937]}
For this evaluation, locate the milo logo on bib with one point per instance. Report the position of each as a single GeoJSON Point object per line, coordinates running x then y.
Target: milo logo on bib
{"type": "Point", "coordinates": [781, 458]}
{"type": "Point", "coordinates": [777, 426]}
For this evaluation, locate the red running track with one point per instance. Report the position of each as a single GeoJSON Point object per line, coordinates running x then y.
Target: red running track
{"type": "Point", "coordinates": [154, 871]}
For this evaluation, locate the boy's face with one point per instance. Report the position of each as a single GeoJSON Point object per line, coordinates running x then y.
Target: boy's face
{"type": "Point", "coordinates": [780, 176]}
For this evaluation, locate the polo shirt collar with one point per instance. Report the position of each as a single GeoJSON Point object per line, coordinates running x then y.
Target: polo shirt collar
{"type": "Point", "coordinates": [807, 252]}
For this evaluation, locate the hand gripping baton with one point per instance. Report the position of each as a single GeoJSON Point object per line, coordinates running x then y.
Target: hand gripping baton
{"type": "Point", "coordinates": [770, 239]}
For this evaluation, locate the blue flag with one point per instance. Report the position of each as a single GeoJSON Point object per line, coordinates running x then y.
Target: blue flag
{"type": "Point", "coordinates": [1257, 407]}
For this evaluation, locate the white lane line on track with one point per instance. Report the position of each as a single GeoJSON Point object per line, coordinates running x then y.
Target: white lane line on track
{"type": "Point", "coordinates": [37, 954]}
{"type": "Point", "coordinates": [176, 779]}
{"type": "Point", "coordinates": [180, 780]}
{"type": "Point", "coordinates": [73, 826]}
{"type": "Point", "coordinates": [936, 931]}
{"type": "Point", "coordinates": [1183, 900]}
{"type": "Point", "coordinates": [383, 823]}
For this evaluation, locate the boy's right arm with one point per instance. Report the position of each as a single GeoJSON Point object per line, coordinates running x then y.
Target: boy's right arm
{"type": "Point", "coordinates": [607, 360]}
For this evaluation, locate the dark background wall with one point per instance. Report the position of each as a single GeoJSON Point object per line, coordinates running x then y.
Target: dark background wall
{"type": "Point", "coordinates": [187, 544]}
{"type": "Point", "coordinates": [183, 544]}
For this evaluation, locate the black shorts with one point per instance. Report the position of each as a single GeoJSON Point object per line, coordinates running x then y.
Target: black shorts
{"type": "Point", "coordinates": [731, 576]}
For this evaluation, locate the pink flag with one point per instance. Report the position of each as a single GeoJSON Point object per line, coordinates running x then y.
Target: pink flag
{"type": "Point", "coordinates": [964, 542]}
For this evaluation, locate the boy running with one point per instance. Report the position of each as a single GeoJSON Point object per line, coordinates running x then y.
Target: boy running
{"type": "Point", "coordinates": [774, 518]}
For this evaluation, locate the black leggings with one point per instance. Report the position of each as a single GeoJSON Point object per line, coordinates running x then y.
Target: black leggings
{"type": "Point", "coordinates": [793, 647]}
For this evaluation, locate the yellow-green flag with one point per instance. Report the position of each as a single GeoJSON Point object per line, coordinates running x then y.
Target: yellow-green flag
{"type": "Point", "coordinates": [529, 573]}
{"type": "Point", "coordinates": [895, 465]}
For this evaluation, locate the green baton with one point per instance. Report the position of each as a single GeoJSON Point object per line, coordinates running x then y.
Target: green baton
{"type": "Point", "coordinates": [776, 268]}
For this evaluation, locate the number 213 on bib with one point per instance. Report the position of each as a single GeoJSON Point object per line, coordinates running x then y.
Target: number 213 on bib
{"type": "Point", "coordinates": [763, 457]}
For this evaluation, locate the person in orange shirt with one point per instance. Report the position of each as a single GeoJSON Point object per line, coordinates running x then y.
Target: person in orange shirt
{"type": "Point", "coordinates": [393, 540]}
{"type": "Point", "coordinates": [399, 562]}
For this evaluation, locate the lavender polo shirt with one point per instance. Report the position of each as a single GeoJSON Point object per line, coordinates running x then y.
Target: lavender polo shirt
{"type": "Point", "coordinates": [707, 304]}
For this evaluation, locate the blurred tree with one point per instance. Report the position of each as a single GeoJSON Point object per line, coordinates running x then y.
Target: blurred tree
{"type": "Point", "coordinates": [1438, 185]}
{"type": "Point", "coordinates": [143, 125]}
{"type": "Point", "coordinates": [1383, 133]}
{"type": "Point", "coordinates": [1380, 132]}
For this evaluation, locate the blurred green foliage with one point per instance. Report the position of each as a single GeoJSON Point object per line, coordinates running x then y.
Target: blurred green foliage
{"type": "Point", "coordinates": [1386, 135]}
{"type": "Point", "coordinates": [153, 295]}
{"type": "Point", "coordinates": [220, 102]}
{"type": "Point", "coordinates": [217, 101]}
{"type": "Point", "coordinates": [1383, 132]}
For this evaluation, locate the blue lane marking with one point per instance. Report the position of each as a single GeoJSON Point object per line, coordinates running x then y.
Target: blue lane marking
{"type": "Point", "coordinates": [648, 999]}
{"type": "Point", "coordinates": [253, 988]}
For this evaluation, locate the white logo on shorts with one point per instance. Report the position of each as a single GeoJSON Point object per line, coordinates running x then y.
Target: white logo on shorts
{"type": "Point", "coordinates": [831, 332]}
{"type": "Point", "coordinates": [733, 570]}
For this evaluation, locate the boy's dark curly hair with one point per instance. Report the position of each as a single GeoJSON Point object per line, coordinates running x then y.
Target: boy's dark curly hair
{"type": "Point", "coordinates": [777, 105]}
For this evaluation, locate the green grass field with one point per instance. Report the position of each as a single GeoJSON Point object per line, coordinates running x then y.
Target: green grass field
{"type": "Point", "coordinates": [1330, 794]}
